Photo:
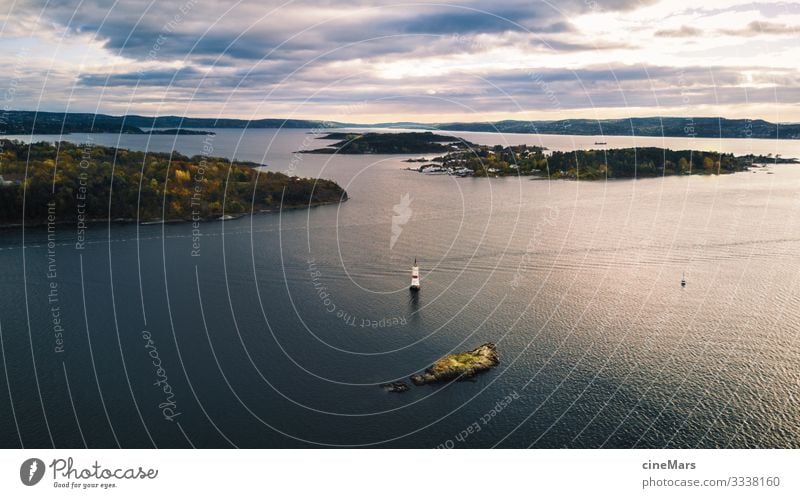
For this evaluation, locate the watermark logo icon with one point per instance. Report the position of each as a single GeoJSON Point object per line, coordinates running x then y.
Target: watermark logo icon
{"type": "Point", "coordinates": [31, 471]}
{"type": "Point", "coordinates": [402, 213]}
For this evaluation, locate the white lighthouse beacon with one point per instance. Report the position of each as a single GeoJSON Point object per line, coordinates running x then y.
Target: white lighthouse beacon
{"type": "Point", "coordinates": [414, 276]}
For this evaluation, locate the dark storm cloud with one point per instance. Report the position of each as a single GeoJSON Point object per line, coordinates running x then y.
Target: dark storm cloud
{"type": "Point", "coordinates": [139, 41]}
{"type": "Point", "coordinates": [161, 78]}
{"type": "Point", "coordinates": [132, 27]}
{"type": "Point", "coordinates": [500, 16]}
{"type": "Point", "coordinates": [468, 21]}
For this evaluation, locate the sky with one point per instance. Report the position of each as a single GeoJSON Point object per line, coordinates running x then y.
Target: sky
{"type": "Point", "coordinates": [374, 61]}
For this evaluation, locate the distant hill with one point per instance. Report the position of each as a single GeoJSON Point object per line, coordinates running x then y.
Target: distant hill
{"type": "Point", "coordinates": [643, 127]}
{"type": "Point", "coordinates": [25, 122]}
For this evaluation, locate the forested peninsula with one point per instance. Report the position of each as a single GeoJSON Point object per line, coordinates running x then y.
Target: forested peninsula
{"type": "Point", "coordinates": [89, 182]}
{"type": "Point", "coordinates": [591, 164]}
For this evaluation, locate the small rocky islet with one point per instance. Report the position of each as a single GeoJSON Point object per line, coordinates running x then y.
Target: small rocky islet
{"type": "Point", "coordinates": [395, 387]}
{"type": "Point", "coordinates": [456, 366]}
{"type": "Point", "coordinates": [459, 366]}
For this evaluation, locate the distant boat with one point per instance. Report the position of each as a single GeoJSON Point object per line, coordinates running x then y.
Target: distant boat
{"type": "Point", "coordinates": [415, 276]}
{"type": "Point", "coordinates": [683, 280]}
{"type": "Point", "coordinates": [601, 143]}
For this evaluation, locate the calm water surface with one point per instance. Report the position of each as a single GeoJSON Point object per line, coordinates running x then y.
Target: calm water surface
{"type": "Point", "coordinates": [278, 333]}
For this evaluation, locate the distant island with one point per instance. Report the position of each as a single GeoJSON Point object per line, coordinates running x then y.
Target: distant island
{"type": "Point", "coordinates": [694, 127]}
{"type": "Point", "coordinates": [592, 164]}
{"type": "Point", "coordinates": [178, 131]}
{"type": "Point", "coordinates": [171, 187]}
{"type": "Point", "coordinates": [390, 143]}
{"type": "Point", "coordinates": [27, 122]}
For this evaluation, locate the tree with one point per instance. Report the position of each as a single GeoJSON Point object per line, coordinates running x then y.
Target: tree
{"type": "Point", "coordinates": [709, 165]}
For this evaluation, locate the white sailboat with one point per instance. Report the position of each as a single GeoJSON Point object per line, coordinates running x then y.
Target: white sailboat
{"type": "Point", "coordinates": [683, 280]}
{"type": "Point", "coordinates": [415, 276]}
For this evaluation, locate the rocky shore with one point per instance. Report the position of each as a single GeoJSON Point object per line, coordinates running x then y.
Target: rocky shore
{"type": "Point", "coordinates": [395, 387]}
{"type": "Point", "coordinates": [459, 366]}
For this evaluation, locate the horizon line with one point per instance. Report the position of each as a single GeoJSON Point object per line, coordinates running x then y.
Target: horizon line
{"type": "Point", "coordinates": [428, 123]}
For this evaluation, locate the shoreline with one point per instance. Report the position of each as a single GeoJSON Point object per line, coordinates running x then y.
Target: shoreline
{"type": "Point", "coordinates": [566, 179]}
{"type": "Point", "coordinates": [176, 221]}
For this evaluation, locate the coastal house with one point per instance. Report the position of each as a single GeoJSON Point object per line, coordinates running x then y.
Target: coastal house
{"type": "Point", "coordinates": [4, 182]}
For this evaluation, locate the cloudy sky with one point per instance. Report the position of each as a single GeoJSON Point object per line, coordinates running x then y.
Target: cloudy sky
{"type": "Point", "coordinates": [377, 61]}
